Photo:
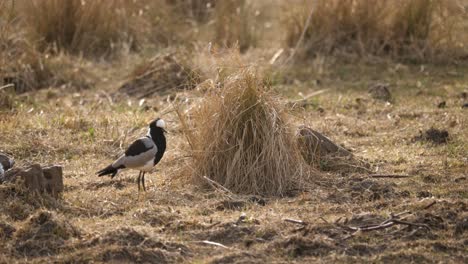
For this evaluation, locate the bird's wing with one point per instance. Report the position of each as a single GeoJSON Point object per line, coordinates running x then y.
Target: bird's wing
{"type": "Point", "coordinates": [139, 146]}
{"type": "Point", "coordinates": [138, 154]}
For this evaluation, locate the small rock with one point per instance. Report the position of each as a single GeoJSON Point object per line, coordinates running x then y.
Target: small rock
{"type": "Point", "coordinates": [380, 91]}
{"type": "Point", "coordinates": [442, 104]}
{"type": "Point", "coordinates": [312, 141]}
{"type": "Point", "coordinates": [434, 135]}
{"type": "Point", "coordinates": [465, 105]}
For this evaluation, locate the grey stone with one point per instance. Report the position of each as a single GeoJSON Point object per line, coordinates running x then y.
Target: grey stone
{"type": "Point", "coordinates": [316, 144]}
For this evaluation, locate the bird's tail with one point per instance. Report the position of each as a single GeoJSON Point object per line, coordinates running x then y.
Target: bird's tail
{"type": "Point", "coordinates": [108, 170]}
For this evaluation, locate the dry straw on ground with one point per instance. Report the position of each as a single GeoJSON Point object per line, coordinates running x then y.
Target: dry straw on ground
{"type": "Point", "coordinates": [244, 141]}
{"type": "Point", "coordinates": [413, 30]}
{"type": "Point", "coordinates": [160, 75]}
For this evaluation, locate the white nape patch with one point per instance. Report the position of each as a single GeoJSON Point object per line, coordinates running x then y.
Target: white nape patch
{"type": "Point", "coordinates": [160, 123]}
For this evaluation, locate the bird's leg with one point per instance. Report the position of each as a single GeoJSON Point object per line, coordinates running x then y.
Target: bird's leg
{"type": "Point", "coordinates": [143, 181]}
{"type": "Point", "coordinates": [139, 177]}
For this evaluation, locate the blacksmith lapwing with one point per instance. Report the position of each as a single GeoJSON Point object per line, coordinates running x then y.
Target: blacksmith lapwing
{"type": "Point", "coordinates": [143, 154]}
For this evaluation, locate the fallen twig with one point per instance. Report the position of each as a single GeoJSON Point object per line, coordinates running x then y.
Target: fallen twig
{"type": "Point", "coordinates": [303, 101]}
{"type": "Point", "coordinates": [301, 38]}
{"type": "Point", "coordinates": [395, 219]}
{"type": "Point", "coordinates": [6, 86]}
{"type": "Point", "coordinates": [218, 185]}
{"type": "Point", "coordinates": [429, 205]}
{"type": "Point", "coordinates": [324, 220]}
{"type": "Point", "coordinates": [394, 176]}
{"type": "Point", "coordinates": [213, 243]}
{"type": "Point", "coordinates": [294, 221]}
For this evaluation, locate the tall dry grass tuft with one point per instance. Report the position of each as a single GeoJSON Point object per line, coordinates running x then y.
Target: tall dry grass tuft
{"type": "Point", "coordinates": [233, 25]}
{"type": "Point", "coordinates": [243, 139]}
{"type": "Point", "coordinates": [21, 66]}
{"type": "Point", "coordinates": [420, 30]}
{"type": "Point", "coordinates": [88, 27]}
{"type": "Point", "coordinates": [198, 10]}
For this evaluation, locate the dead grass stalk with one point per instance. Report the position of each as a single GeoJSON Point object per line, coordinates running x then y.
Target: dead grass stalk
{"type": "Point", "coordinates": [421, 30]}
{"type": "Point", "coordinates": [244, 141]}
{"type": "Point", "coordinates": [88, 27]}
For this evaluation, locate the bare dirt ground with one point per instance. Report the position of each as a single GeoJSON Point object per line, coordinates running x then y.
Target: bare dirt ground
{"type": "Point", "coordinates": [101, 220]}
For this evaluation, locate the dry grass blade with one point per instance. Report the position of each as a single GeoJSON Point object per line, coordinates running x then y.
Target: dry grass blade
{"type": "Point", "coordinates": [244, 142]}
{"type": "Point", "coordinates": [213, 244]}
{"type": "Point", "coordinates": [294, 221]}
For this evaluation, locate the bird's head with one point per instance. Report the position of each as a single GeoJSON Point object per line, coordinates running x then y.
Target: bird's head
{"type": "Point", "coordinates": [158, 124]}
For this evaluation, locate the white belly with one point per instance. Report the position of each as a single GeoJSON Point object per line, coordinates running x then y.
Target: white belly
{"type": "Point", "coordinates": [147, 167]}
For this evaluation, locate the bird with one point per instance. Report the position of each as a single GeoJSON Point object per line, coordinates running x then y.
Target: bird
{"type": "Point", "coordinates": [6, 163]}
{"type": "Point", "coordinates": [142, 155]}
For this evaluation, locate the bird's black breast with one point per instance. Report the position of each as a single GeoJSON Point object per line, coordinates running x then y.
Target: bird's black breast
{"type": "Point", "coordinates": [137, 148]}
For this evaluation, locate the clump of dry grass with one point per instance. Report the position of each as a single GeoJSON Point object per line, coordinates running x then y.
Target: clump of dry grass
{"type": "Point", "coordinates": [88, 27]}
{"type": "Point", "coordinates": [413, 30]}
{"type": "Point", "coordinates": [161, 74]}
{"type": "Point", "coordinates": [243, 139]}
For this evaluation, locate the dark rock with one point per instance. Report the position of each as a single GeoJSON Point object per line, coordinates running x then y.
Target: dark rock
{"type": "Point", "coordinates": [380, 91]}
{"type": "Point", "coordinates": [433, 135]}
{"type": "Point", "coordinates": [313, 143]}
{"type": "Point", "coordinates": [442, 104]}
{"type": "Point", "coordinates": [465, 105]}
{"type": "Point", "coordinates": [319, 151]}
